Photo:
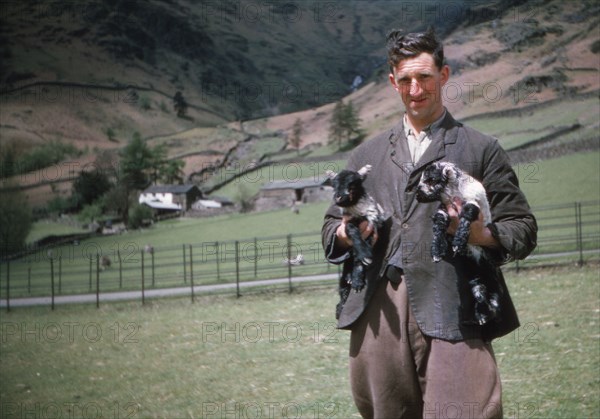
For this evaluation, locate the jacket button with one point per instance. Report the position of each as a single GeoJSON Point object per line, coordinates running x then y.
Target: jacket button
{"type": "Point", "coordinates": [405, 225]}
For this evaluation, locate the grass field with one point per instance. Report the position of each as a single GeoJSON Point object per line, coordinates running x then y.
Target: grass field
{"type": "Point", "coordinates": [273, 355]}
{"type": "Point", "coordinates": [514, 131]}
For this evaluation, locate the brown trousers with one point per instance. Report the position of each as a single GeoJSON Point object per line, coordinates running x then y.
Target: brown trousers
{"type": "Point", "coordinates": [397, 372]}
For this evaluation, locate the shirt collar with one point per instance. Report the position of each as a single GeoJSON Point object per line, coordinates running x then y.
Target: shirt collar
{"type": "Point", "coordinates": [430, 129]}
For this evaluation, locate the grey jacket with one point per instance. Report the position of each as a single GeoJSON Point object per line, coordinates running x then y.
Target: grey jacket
{"type": "Point", "coordinates": [436, 290]}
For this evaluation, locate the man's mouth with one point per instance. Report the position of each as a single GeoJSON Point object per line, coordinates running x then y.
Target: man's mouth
{"type": "Point", "coordinates": [418, 101]}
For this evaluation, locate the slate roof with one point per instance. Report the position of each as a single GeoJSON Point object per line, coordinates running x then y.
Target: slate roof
{"type": "Point", "coordinates": [174, 189]}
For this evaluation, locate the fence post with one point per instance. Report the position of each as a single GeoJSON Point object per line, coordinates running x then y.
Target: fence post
{"type": "Point", "coordinates": [184, 265]}
{"type": "Point", "coordinates": [90, 272]}
{"type": "Point", "coordinates": [60, 274]}
{"type": "Point", "coordinates": [52, 281]}
{"type": "Point", "coordinates": [191, 274]}
{"type": "Point", "coordinates": [255, 258]}
{"type": "Point", "coordinates": [143, 285]}
{"type": "Point", "coordinates": [579, 233]}
{"type": "Point", "coordinates": [29, 279]}
{"type": "Point", "coordinates": [97, 280]}
{"type": "Point", "coordinates": [120, 269]}
{"type": "Point", "coordinates": [237, 270]}
{"type": "Point", "coordinates": [218, 261]}
{"type": "Point", "coordinates": [152, 256]}
{"type": "Point", "coordinates": [7, 285]}
{"type": "Point", "coordinates": [289, 260]}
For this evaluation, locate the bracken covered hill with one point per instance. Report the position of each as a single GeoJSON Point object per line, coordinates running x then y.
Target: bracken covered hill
{"type": "Point", "coordinates": [91, 75]}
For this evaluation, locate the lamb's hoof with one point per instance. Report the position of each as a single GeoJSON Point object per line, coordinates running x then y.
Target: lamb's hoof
{"type": "Point", "coordinates": [457, 251]}
{"type": "Point", "coordinates": [436, 259]}
{"type": "Point", "coordinates": [358, 288]}
{"type": "Point", "coordinates": [481, 319]}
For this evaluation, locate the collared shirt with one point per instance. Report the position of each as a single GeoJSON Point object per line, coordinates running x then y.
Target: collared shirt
{"type": "Point", "coordinates": [418, 143]}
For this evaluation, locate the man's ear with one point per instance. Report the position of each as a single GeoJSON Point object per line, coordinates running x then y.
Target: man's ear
{"type": "Point", "coordinates": [444, 74]}
{"type": "Point", "coordinates": [393, 82]}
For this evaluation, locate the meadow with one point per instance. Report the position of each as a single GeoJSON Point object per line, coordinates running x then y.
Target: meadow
{"type": "Point", "coordinates": [263, 237]}
{"type": "Point", "coordinates": [278, 354]}
{"type": "Point", "coordinates": [273, 355]}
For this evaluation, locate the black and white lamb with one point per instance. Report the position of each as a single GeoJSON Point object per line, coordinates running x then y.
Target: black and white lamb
{"type": "Point", "coordinates": [355, 202]}
{"type": "Point", "coordinates": [445, 182]}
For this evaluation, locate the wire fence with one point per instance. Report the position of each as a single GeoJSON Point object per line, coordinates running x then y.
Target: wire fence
{"type": "Point", "coordinates": [568, 233]}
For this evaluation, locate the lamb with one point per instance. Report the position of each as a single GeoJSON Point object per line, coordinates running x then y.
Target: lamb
{"type": "Point", "coordinates": [354, 201]}
{"type": "Point", "coordinates": [444, 182]}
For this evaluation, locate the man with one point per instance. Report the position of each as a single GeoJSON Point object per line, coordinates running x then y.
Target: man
{"type": "Point", "coordinates": [411, 352]}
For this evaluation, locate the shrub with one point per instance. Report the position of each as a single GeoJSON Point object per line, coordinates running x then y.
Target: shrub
{"type": "Point", "coordinates": [44, 155]}
{"type": "Point", "coordinates": [90, 213]}
{"type": "Point", "coordinates": [15, 221]}
{"type": "Point", "coordinates": [139, 215]}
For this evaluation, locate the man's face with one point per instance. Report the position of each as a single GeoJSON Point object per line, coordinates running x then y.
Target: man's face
{"type": "Point", "coordinates": [419, 82]}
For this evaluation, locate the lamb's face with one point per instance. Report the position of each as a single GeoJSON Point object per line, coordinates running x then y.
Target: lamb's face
{"type": "Point", "coordinates": [347, 188]}
{"type": "Point", "coordinates": [433, 181]}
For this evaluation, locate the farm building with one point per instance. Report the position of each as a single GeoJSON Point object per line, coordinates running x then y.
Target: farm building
{"type": "Point", "coordinates": [287, 193]}
{"type": "Point", "coordinates": [170, 197]}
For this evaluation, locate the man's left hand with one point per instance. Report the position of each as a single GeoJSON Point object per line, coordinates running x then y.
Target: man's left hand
{"type": "Point", "coordinates": [480, 234]}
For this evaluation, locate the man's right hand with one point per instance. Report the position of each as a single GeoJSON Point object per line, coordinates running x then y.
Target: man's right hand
{"type": "Point", "coordinates": [366, 229]}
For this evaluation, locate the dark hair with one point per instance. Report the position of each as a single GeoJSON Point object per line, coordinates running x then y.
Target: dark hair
{"type": "Point", "coordinates": [402, 46]}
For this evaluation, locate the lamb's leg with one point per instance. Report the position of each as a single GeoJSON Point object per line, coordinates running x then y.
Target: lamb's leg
{"type": "Point", "coordinates": [362, 251]}
{"type": "Point", "coordinates": [358, 276]}
{"type": "Point", "coordinates": [482, 309]}
{"type": "Point", "coordinates": [439, 244]}
{"type": "Point", "coordinates": [469, 213]}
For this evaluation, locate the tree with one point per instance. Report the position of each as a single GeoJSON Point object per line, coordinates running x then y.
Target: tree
{"type": "Point", "coordinates": [345, 124]}
{"type": "Point", "coordinates": [141, 165]}
{"type": "Point", "coordinates": [15, 220]}
{"type": "Point", "coordinates": [89, 186]}
{"type": "Point", "coordinates": [136, 166]}
{"type": "Point", "coordinates": [336, 130]}
{"type": "Point", "coordinates": [137, 162]}
{"type": "Point", "coordinates": [8, 161]}
{"type": "Point", "coordinates": [171, 171]}
{"type": "Point", "coordinates": [296, 138]}
{"type": "Point", "coordinates": [180, 105]}
{"type": "Point", "coordinates": [351, 124]}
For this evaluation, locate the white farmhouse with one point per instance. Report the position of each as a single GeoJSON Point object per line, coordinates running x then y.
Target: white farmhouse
{"type": "Point", "coordinates": [170, 197]}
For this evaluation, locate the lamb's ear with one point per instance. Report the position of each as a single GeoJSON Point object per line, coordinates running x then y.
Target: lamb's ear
{"type": "Point", "coordinates": [330, 174]}
{"type": "Point", "coordinates": [363, 171]}
{"type": "Point", "coordinates": [449, 171]}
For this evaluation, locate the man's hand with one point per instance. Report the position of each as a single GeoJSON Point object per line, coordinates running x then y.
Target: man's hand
{"type": "Point", "coordinates": [480, 235]}
{"type": "Point", "coordinates": [366, 230]}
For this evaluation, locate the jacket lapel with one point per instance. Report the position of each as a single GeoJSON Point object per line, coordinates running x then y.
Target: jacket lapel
{"type": "Point", "coordinates": [446, 134]}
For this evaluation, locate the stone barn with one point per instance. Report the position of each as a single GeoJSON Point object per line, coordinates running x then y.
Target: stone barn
{"type": "Point", "coordinates": [289, 193]}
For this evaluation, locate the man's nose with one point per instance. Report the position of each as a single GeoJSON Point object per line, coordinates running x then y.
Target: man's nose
{"type": "Point", "coordinates": [415, 88]}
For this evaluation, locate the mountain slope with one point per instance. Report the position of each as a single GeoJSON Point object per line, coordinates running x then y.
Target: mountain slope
{"type": "Point", "coordinates": [91, 75]}
{"type": "Point", "coordinates": [526, 56]}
